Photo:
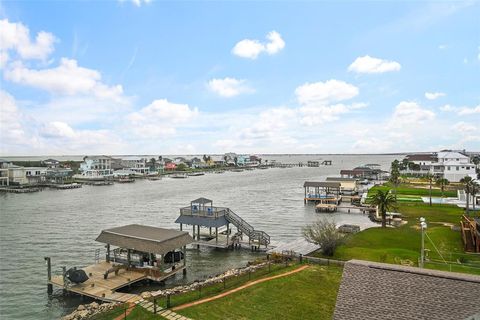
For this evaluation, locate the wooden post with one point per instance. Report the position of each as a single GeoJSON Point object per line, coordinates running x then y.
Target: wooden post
{"type": "Point", "coordinates": [184, 250]}
{"type": "Point", "coordinates": [168, 301]}
{"type": "Point", "coordinates": [216, 234]}
{"type": "Point", "coordinates": [193, 232]}
{"type": "Point", "coordinates": [154, 305]}
{"type": "Point", "coordinates": [227, 232]}
{"type": "Point", "coordinates": [128, 257]}
{"type": "Point", "coordinates": [49, 275]}
{"type": "Point", "coordinates": [108, 253]}
{"type": "Point", "coordinates": [64, 275]}
{"type": "Point", "coordinates": [181, 226]}
{"type": "Point", "coordinates": [198, 232]}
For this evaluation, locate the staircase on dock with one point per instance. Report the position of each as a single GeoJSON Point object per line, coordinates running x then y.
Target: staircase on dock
{"type": "Point", "coordinates": [256, 235]}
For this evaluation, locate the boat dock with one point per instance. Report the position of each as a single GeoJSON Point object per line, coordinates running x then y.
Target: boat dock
{"type": "Point", "coordinates": [298, 246]}
{"type": "Point", "coordinates": [19, 190]}
{"type": "Point", "coordinates": [202, 214]}
{"type": "Point", "coordinates": [142, 252]}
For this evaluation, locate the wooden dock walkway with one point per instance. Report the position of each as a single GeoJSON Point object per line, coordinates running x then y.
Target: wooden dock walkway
{"type": "Point", "coordinates": [105, 289]}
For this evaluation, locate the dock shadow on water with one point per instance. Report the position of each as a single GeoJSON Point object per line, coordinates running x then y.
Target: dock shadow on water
{"type": "Point", "coordinates": [63, 225]}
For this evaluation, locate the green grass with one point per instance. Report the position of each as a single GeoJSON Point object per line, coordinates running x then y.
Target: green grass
{"type": "Point", "coordinates": [392, 245]}
{"type": "Point", "coordinates": [217, 288]}
{"type": "Point", "coordinates": [407, 190]}
{"type": "Point", "coordinates": [309, 294]}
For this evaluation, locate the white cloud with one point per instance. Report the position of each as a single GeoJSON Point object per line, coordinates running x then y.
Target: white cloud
{"type": "Point", "coordinates": [15, 37]}
{"type": "Point", "coordinates": [434, 95]}
{"type": "Point", "coordinates": [160, 118]}
{"type": "Point", "coordinates": [467, 111]}
{"type": "Point", "coordinates": [66, 79]}
{"type": "Point", "coordinates": [251, 49]}
{"type": "Point", "coordinates": [229, 87]}
{"type": "Point", "coordinates": [12, 131]}
{"type": "Point", "coordinates": [442, 46]}
{"type": "Point", "coordinates": [58, 129]}
{"type": "Point", "coordinates": [316, 101]}
{"type": "Point", "coordinates": [464, 127]}
{"type": "Point", "coordinates": [367, 64]}
{"type": "Point", "coordinates": [138, 3]}
{"type": "Point", "coordinates": [409, 113]}
{"type": "Point", "coordinates": [461, 111]}
{"type": "Point", "coordinates": [325, 92]}
{"type": "Point", "coordinates": [319, 114]}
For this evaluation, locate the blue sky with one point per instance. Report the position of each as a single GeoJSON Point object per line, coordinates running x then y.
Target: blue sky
{"type": "Point", "coordinates": [155, 77]}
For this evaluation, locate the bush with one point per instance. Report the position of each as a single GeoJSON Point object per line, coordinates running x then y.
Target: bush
{"type": "Point", "coordinates": [325, 234]}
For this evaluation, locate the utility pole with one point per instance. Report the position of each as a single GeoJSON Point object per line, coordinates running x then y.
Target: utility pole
{"type": "Point", "coordinates": [423, 226]}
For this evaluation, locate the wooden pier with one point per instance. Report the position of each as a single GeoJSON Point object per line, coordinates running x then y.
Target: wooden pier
{"type": "Point", "coordinates": [142, 252]}
{"type": "Point", "coordinates": [218, 220]}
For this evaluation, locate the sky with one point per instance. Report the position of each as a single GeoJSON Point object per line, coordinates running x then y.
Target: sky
{"type": "Point", "coordinates": [158, 77]}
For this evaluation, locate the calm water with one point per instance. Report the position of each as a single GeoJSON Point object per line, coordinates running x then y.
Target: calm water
{"type": "Point", "coordinates": [64, 224]}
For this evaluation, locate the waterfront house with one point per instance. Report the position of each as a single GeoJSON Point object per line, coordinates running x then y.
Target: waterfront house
{"type": "Point", "coordinates": [371, 290]}
{"type": "Point", "coordinates": [170, 166]}
{"type": "Point", "coordinates": [96, 168]}
{"type": "Point", "coordinates": [59, 175]}
{"type": "Point", "coordinates": [135, 164]}
{"type": "Point", "coordinates": [364, 172]}
{"type": "Point", "coordinates": [36, 175]}
{"type": "Point", "coordinates": [51, 163]}
{"type": "Point", "coordinates": [348, 186]}
{"type": "Point", "coordinates": [12, 174]}
{"type": "Point", "coordinates": [451, 165]}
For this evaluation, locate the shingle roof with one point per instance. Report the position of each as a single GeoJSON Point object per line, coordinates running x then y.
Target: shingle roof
{"type": "Point", "coordinates": [421, 157]}
{"type": "Point", "coordinates": [202, 201]}
{"type": "Point", "coordinates": [372, 290]}
{"type": "Point", "coordinates": [145, 238]}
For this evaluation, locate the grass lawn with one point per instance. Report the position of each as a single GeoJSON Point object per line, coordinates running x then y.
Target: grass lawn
{"type": "Point", "coordinates": [392, 245]}
{"type": "Point", "coordinates": [406, 190]}
{"type": "Point", "coordinates": [309, 294]}
{"type": "Point", "coordinates": [217, 288]}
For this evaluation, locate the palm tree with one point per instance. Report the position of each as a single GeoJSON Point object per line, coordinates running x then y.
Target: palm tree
{"type": "Point", "coordinates": [395, 176]}
{"type": "Point", "coordinates": [384, 200]}
{"type": "Point", "coordinates": [474, 190]}
{"type": "Point", "coordinates": [153, 161]}
{"type": "Point", "coordinates": [429, 177]}
{"type": "Point", "coordinates": [442, 183]}
{"type": "Point", "coordinates": [467, 185]}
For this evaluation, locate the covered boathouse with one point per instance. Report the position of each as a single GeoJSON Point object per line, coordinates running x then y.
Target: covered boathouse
{"type": "Point", "coordinates": [133, 253]}
{"type": "Point", "coordinates": [322, 192]}
{"type": "Point", "coordinates": [201, 214]}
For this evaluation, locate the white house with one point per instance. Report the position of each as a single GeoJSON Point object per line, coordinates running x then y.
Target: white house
{"type": "Point", "coordinates": [455, 166]}
{"type": "Point", "coordinates": [12, 174]}
{"type": "Point", "coordinates": [36, 174]}
{"type": "Point", "coordinates": [135, 164]}
{"type": "Point", "coordinates": [95, 167]}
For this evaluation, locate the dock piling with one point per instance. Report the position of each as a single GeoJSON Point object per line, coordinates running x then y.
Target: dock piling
{"type": "Point", "coordinates": [49, 275]}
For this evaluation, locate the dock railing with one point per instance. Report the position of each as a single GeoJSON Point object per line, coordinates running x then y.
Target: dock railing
{"type": "Point", "coordinates": [209, 212]}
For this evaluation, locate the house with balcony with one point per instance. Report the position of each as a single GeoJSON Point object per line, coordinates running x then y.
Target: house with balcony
{"type": "Point", "coordinates": [451, 165]}
{"type": "Point", "coordinates": [11, 174]}
{"type": "Point", "coordinates": [138, 165]}
{"type": "Point", "coordinates": [36, 175]}
{"type": "Point", "coordinates": [96, 168]}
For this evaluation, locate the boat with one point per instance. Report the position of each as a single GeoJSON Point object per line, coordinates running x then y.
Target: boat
{"type": "Point", "coordinates": [237, 170]}
{"type": "Point", "coordinates": [263, 167]}
{"type": "Point", "coordinates": [125, 180]}
{"type": "Point", "coordinates": [219, 171]}
{"type": "Point", "coordinates": [179, 176]}
{"type": "Point", "coordinates": [154, 178]}
{"type": "Point", "coordinates": [195, 174]}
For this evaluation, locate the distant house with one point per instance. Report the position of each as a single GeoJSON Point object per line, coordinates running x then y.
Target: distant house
{"type": "Point", "coordinates": [370, 290]}
{"type": "Point", "coordinates": [11, 174]}
{"type": "Point", "coordinates": [135, 164]}
{"type": "Point", "coordinates": [51, 163]}
{"type": "Point", "coordinates": [58, 175]}
{"type": "Point", "coordinates": [347, 185]}
{"type": "Point", "coordinates": [96, 167]}
{"type": "Point", "coordinates": [170, 166]}
{"type": "Point", "coordinates": [451, 165]}
{"type": "Point", "coordinates": [36, 175]}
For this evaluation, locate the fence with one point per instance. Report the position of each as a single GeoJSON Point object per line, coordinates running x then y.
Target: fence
{"type": "Point", "coordinates": [200, 290]}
